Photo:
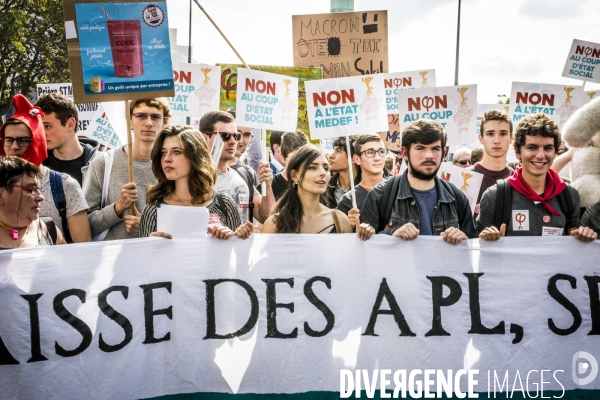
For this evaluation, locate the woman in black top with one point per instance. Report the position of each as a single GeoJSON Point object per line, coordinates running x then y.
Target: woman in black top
{"type": "Point", "coordinates": [185, 176]}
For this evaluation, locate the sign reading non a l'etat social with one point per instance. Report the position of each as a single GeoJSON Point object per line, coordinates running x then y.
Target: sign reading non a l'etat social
{"type": "Point", "coordinates": [396, 81]}
{"type": "Point", "coordinates": [557, 101]}
{"type": "Point", "coordinates": [118, 50]}
{"type": "Point", "coordinates": [454, 107]}
{"type": "Point", "coordinates": [266, 100]}
{"type": "Point", "coordinates": [583, 62]}
{"type": "Point", "coordinates": [196, 89]}
{"type": "Point", "coordinates": [346, 106]}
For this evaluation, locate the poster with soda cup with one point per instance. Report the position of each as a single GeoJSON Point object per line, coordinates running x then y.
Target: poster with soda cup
{"type": "Point", "coordinates": [118, 50]}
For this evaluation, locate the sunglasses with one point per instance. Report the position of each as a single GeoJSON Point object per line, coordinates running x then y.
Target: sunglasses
{"type": "Point", "coordinates": [21, 141]}
{"type": "Point", "coordinates": [225, 135]}
{"type": "Point", "coordinates": [31, 189]}
{"type": "Point", "coordinates": [143, 117]}
{"type": "Point", "coordinates": [464, 162]}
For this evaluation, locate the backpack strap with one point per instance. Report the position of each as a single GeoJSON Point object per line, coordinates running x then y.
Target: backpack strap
{"type": "Point", "coordinates": [247, 176]}
{"type": "Point", "coordinates": [51, 226]}
{"type": "Point", "coordinates": [58, 195]}
{"type": "Point", "coordinates": [388, 200]}
{"type": "Point", "coordinates": [458, 196]}
{"type": "Point", "coordinates": [503, 203]}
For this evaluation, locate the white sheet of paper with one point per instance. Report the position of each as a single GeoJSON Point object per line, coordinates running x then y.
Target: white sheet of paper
{"type": "Point", "coordinates": [70, 31]}
{"type": "Point", "coordinates": [179, 220]}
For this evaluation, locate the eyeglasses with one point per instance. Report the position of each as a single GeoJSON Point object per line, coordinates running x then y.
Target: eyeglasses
{"type": "Point", "coordinates": [225, 135]}
{"type": "Point", "coordinates": [371, 153]}
{"type": "Point", "coordinates": [143, 117]}
{"type": "Point", "coordinates": [21, 141]}
{"type": "Point", "coordinates": [31, 189]}
{"type": "Point", "coordinates": [464, 162]}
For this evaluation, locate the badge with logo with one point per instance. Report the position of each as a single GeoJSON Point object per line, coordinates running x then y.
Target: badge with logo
{"type": "Point", "coordinates": [546, 219]}
{"type": "Point", "coordinates": [520, 220]}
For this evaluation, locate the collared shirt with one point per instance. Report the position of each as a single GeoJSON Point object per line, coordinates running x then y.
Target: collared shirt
{"type": "Point", "coordinates": [405, 209]}
{"type": "Point", "coordinates": [276, 167]}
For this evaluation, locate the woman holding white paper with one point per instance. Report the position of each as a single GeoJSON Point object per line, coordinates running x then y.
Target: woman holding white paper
{"type": "Point", "coordinates": [301, 209]}
{"type": "Point", "coordinates": [185, 177]}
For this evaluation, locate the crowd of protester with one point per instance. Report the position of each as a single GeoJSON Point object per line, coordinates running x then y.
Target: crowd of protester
{"type": "Point", "coordinates": [58, 188]}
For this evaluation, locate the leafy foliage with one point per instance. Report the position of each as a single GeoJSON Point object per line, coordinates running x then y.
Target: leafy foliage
{"type": "Point", "coordinates": [33, 48]}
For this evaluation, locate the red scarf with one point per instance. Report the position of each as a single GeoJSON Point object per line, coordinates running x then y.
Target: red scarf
{"type": "Point", "coordinates": [554, 186]}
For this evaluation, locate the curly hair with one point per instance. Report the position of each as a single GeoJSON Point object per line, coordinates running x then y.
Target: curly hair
{"type": "Point", "coordinates": [203, 174]}
{"type": "Point", "coordinates": [288, 212]}
{"type": "Point", "coordinates": [534, 125]}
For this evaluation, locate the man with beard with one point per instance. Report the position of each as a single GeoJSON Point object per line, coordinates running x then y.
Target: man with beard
{"type": "Point", "coordinates": [418, 202]}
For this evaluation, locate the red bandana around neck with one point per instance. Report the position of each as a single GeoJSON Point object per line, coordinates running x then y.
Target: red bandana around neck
{"type": "Point", "coordinates": [554, 186]}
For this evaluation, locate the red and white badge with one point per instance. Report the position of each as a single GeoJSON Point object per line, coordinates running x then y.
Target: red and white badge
{"type": "Point", "coordinates": [520, 220]}
{"type": "Point", "coordinates": [546, 219]}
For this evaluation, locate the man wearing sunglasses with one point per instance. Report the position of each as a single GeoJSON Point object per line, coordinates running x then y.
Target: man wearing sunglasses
{"type": "Point", "coordinates": [110, 219]}
{"type": "Point", "coordinates": [462, 157]}
{"type": "Point", "coordinates": [242, 145]}
{"type": "Point", "coordinates": [369, 155]}
{"type": "Point", "coordinates": [231, 181]}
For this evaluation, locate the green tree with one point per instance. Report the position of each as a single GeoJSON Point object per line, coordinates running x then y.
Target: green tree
{"type": "Point", "coordinates": [33, 48]}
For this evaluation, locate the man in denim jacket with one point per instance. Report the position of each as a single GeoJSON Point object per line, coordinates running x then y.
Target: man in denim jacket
{"type": "Point", "coordinates": [423, 205]}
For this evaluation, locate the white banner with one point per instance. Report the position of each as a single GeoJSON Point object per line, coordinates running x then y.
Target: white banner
{"type": "Point", "coordinates": [395, 81]}
{"type": "Point", "coordinates": [454, 107]}
{"type": "Point", "coordinates": [583, 61]}
{"type": "Point", "coordinates": [559, 102]}
{"type": "Point", "coordinates": [298, 313]}
{"type": "Point", "coordinates": [196, 89]}
{"type": "Point", "coordinates": [266, 101]}
{"type": "Point", "coordinates": [86, 110]}
{"type": "Point", "coordinates": [346, 106]}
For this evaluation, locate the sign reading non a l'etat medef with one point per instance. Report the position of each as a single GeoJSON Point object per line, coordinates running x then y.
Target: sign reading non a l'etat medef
{"type": "Point", "coordinates": [266, 100]}
{"type": "Point", "coordinates": [583, 62]}
{"type": "Point", "coordinates": [346, 106]}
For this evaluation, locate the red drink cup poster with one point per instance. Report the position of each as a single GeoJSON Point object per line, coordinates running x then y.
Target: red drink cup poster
{"type": "Point", "coordinates": [123, 50]}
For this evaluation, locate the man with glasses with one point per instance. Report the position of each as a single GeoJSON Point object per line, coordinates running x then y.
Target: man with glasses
{"type": "Point", "coordinates": [462, 157]}
{"type": "Point", "coordinates": [231, 181]}
{"type": "Point", "coordinates": [242, 145]}
{"type": "Point", "coordinates": [67, 153]}
{"type": "Point", "coordinates": [369, 155]}
{"type": "Point", "coordinates": [107, 187]}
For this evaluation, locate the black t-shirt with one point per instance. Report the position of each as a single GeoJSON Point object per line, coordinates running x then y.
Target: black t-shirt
{"type": "Point", "coordinates": [70, 167]}
{"type": "Point", "coordinates": [279, 186]}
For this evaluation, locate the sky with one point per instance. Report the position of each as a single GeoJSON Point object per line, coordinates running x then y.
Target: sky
{"type": "Point", "coordinates": [500, 41]}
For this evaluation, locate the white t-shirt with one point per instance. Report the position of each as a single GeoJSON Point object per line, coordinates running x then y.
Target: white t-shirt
{"type": "Point", "coordinates": [233, 184]}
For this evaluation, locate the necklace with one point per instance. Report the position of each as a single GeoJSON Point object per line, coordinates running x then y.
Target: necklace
{"type": "Point", "coordinates": [182, 202]}
{"type": "Point", "coordinates": [14, 232]}
{"type": "Point", "coordinates": [18, 244]}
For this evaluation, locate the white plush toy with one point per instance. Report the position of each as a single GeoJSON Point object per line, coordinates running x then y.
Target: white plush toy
{"type": "Point", "coordinates": [582, 131]}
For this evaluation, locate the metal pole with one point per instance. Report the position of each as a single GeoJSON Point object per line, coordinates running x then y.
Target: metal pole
{"type": "Point", "coordinates": [188, 120]}
{"type": "Point", "coordinates": [457, 46]}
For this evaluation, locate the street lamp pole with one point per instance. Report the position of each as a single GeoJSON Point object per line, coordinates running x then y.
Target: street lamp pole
{"type": "Point", "coordinates": [457, 46]}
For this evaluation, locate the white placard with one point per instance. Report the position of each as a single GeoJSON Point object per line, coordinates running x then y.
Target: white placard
{"type": "Point", "coordinates": [266, 101]}
{"type": "Point", "coordinates": [590, 95]}
{"type": "Point", "coordinates": [557, 101]}
{"type": "Point", "coordinates": [395, 81]}
{"type": "Point", "coordinates": [482, 109]}
{"type": "Point", "coordinates": [454, 107]}
{"type": "Point", "coordinates": [102, 130]}
{"type": "Point", "coordinates": [583, 61]}
{"type": "Point", "coordinates": [180, 220]}
{"type": "Point", "coordinates": [467, 181]}
{"type": "Point", "coordinates": [197, 89]}
{"type": "Point", "coordinates": [346, 106]}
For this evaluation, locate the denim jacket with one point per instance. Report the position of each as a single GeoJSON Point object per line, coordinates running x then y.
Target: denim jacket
{"type": "Point", "coordinates": [406, 209]}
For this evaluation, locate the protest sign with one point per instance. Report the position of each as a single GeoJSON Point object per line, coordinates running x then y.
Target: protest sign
{"type": "Point", "coordinates": [482, 109]}
{"type": "Point", "coordinates": [229, 86]}
{"type": "Point", "coordinates": [196, 89]}
{"type": "Point", "coordinates": [590, 95]}
{"type": "Point", "coordinates": [285, 317]}
{"type": "Point", "coordinates": [467, 181]}
{"type": "Point", "coordinates": [396, 81]}
{"type": "Point", "coordinates": [118, 51]}
{"type": "Point", "coordinates": [102, 130]}
{"type": "Point", "coordinates": [583, 61]}
{"type": "Point", "coordinates": [343, 44]}
{"type": "Point", "coordinates": [453, 107]}
{"type": "Point", "coordinates": [392, 138]}
{"type": "Point", "coordinates": [86, 111]}
{"type": "Point", "coordinates": [559, 102]}
{"type": "Point", "coordinates": [266, 100]}
{"type": "Point", "coordinates": [346, 106]}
